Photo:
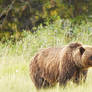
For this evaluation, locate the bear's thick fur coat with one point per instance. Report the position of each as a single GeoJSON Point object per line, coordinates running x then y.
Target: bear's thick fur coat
{"type": "Point", "coordinates": [53, 65]}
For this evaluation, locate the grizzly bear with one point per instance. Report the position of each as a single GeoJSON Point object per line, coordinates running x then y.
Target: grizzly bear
{"type": "Point", "coordinates": [53, 65]}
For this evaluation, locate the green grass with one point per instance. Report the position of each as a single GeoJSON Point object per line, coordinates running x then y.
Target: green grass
{"type": "Point", "coordinates": [15, 58]}
{"type": "Point", "coordinates": [14, 77]}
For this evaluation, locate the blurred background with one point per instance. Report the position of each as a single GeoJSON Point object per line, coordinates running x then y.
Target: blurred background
{"type": "Point", "coordinates": [19, 15]}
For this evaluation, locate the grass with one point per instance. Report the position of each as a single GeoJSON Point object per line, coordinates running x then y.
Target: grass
{"type": "Point", "coordinates": [14, 77]}
{"type": "Point", "coordinates": [15, 58]}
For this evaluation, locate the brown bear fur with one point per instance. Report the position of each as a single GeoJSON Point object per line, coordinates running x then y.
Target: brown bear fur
{"type": "Point", "coordinates": [60, 65]}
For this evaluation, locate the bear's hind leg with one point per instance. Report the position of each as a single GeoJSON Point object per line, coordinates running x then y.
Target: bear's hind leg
{"type": "Point", "coordinates": [38, 81]}
{"type": "Point", "coordinates": [45, 84]}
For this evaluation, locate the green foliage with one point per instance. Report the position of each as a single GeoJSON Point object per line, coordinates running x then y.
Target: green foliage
{"type": "Point", "coordinates": [55, 34]}
{"type": "Point", "coordinates": [18, 15]}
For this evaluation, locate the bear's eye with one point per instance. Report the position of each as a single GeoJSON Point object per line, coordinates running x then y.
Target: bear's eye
{"type": "Point", "coordinates": [90, 57]}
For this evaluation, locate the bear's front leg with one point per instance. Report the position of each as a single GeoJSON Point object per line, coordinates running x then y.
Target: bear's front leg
{"type": "Point", "coordinates": [66, 73]}
{"type": "Point", "coordinates": [80, 76]}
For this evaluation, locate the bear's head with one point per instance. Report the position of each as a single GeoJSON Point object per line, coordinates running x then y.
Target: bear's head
{"type": "Point", "coordinates": [81, 55]}
{"type": "Point", "coordinates": [87, 57]}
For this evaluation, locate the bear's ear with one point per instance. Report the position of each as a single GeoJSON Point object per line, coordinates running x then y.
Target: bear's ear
{"type": "Point", "coordinates": [82, 50]}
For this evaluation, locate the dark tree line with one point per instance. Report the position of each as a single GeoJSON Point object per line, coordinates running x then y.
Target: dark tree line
{"type": "Point", "coordinates": [16, 15]}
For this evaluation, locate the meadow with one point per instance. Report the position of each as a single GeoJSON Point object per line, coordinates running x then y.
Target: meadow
{"type": "Point", "coordinates": [16, 57]}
